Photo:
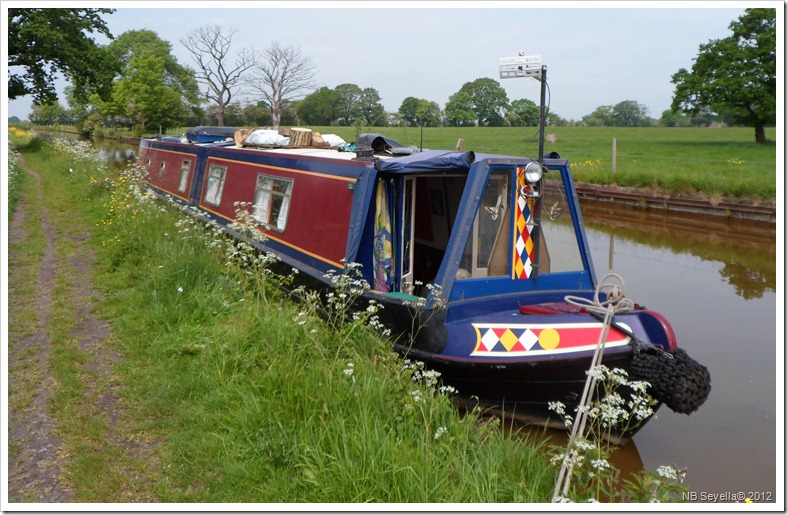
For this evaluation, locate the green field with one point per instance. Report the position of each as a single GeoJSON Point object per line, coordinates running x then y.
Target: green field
{"type": "Point", "coordinates": [716, 163]}
{"type": "Point", "coordinates": [719, 162]}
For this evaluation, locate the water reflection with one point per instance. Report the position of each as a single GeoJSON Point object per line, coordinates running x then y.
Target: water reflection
{"type": "Point", "coordinates": [624, 458]}
{"type": "Point", "coordinates": [120, 154]}
{"type": "Point", "coordinates": [746, 249]}
{"type": "Point", "coordinates": [715, 281]}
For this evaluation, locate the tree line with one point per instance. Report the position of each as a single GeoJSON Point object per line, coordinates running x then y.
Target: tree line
{"type": "Point", "coordinates": [135, 81]}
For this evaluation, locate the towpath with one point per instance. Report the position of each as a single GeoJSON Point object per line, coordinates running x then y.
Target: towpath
{"type": "Point", "coordinates": [50, 270]}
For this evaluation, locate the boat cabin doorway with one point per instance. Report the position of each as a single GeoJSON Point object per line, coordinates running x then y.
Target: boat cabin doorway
{"type": "Point", "coordinates": [429, 211]}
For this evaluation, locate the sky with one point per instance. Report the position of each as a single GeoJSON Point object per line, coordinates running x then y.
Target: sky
{"type": "Point", "coordinates": [596, 53]}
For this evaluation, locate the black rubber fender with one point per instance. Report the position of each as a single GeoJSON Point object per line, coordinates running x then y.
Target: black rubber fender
{"type": "Point", "coordinates": [676, 380]}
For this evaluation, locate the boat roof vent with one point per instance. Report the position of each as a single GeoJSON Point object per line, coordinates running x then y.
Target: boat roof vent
{"type": "Point", "coordinates": [365, 154]}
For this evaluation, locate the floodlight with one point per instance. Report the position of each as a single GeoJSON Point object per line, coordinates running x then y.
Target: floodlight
{"type": "Point", "coordinates": [533, 172]}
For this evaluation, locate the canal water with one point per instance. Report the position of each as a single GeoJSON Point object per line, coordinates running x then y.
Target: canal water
{"type": "Point", "coordinates": [715, 281]}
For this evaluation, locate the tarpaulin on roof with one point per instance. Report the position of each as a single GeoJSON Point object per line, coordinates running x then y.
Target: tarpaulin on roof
{"type": "Point", "coordinates": [208, 130]}
{"type": "Point", "coordinates": [427, 161]}
{"type": "Point", "coordinates": [381, 144]}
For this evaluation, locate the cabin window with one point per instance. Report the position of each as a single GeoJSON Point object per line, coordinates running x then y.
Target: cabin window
{"type": "Point", "coordinates": [213, 191]}
{"type": "Point", "coordinates": [161, 169]}
{"type": "Point", "coordinates": [272, 201]}
{"type": "Point", "coordinates": [185, 164]}
{"type": "Point", "coordinates": [147, 166]}
{"type": "Point", "coordinates": [557, 229]}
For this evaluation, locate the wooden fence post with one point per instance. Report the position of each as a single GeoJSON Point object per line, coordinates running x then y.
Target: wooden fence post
{"type": "Point", "coordinates": [614, 158]}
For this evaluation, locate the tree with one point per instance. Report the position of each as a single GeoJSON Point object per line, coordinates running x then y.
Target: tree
{"type": "Point", "coordinates": [554, 120]}
{"type": "Point", "coordinates": [317, 108]}
{"type": "Point", "coordinates": [602, 116]}
{"type": "Point", "coordinates": [144, 95]}
{"type": "Point", "coordinates": [47, 114]}
{"type": "Point", "coordinates": [488, 101]}
{"type": "Point", "coordinates": [257, 114]}
{"type": "Point", "coordinates": [672, 118]}
{"type": "Point", "coordinates": [417, 112]}
{"type": "Point", "coordinates": [630, 114]}
{"type": "Point", "coordinates": [151, 89]}
{"type": "Point", "coordinates": [210, 47]}
{"type": "Point", "coordinates": [347, 108]}
{"type": "Point", "coordinates": [371, 109]}
{"type": "Point", "coordinates": [459, 110]}
{"type": "Point", "coordinates": [44, 42]}
{"type": "Point", "coordinates": [139, 42]}
{"type": "Point", "coordinates": [523, 113]}
{"type": "Point", "coordinates": [737, 73]}
{"type": "Point", "coordinates": [282, 76]}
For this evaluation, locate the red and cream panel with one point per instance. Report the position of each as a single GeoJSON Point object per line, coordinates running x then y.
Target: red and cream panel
{"type": "Point", "coordinates": [318, 212]}
{"type": "Point", "coordinates": [530, 340]}
{"type": "Point", "coordinates": [169, 170]}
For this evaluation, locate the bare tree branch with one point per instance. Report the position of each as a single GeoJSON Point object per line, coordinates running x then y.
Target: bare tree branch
{"type": "Point", "coordinates": [210, 48]}
{"type": "Point", "coordinates": [282, 76]}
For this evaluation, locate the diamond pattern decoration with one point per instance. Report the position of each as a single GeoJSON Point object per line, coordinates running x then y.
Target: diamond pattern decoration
{"type": "Point", "coordinates": [504, 339]}
{"type": "Point", "coordinates": [513, 340]}
{"type": "Point", "coordinates": [522, 262]}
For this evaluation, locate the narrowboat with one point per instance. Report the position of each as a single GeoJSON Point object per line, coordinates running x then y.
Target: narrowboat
{"type": "Point", "coordinates": [474, 259]}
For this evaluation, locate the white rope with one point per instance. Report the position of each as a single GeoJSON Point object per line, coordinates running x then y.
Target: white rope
{"type": "Point", "coordinates": [615, 302]}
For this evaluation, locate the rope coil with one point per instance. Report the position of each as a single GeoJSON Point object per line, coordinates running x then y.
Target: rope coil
{"type": "Point", "coordinates": [613, 297]}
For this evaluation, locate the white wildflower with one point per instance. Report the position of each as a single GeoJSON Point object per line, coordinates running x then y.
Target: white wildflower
{"type": "Point", "coordinates": [670, 472]}
{"type": "Point", "coordinates": [447, 390]}
{"type": "Point", "coordinates": [558, 407]}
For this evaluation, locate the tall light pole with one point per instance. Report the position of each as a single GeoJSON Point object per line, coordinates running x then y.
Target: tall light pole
{"type": "Point", "coordinates": [531, 66]}
{"type": "Point", "coordinates": [528, 66]}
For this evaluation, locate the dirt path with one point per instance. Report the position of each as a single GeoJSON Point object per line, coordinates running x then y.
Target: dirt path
{"type": "Point", "coordinates": [37, 458]}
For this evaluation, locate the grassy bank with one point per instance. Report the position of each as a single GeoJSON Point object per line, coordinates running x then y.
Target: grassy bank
{"type": "Point", "coordinates": [229, 393]}
{"type": "Point", "coordinates": [16, 178]}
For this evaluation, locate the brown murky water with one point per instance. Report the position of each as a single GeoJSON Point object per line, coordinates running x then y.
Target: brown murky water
{"type": "Point", "coordinates": [715, 281]}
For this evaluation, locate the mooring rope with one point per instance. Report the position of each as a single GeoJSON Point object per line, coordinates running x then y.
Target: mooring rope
{"type": "Point", "coordinates": [615, 302]}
